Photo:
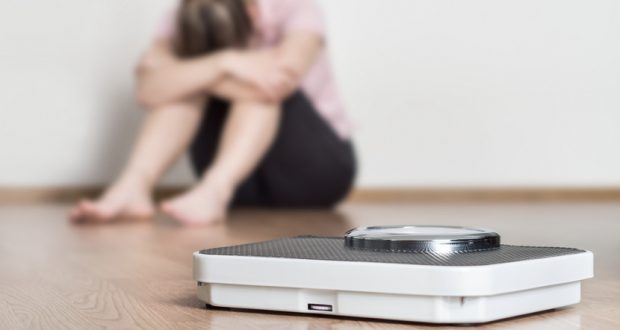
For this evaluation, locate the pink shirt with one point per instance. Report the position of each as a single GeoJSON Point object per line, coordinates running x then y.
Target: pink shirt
{"type": "Point", "coordinates": [279, 17]}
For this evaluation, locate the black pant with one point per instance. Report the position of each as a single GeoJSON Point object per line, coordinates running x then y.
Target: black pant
{"type": "Point", "coordinates": [308, 165]}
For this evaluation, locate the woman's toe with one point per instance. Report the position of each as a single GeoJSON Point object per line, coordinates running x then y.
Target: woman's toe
{"type": "Point", "coordinates": [176, 213]}
{"type": "Point", "coordinates": [140, 213]}
{"type": "Point", "coordinates": [87, 209]}
{"type": "Point", "coordinates": [75, 214]}
{"type": "Point", "coordinates": [166, 207]}
{"type": "Point", "coordinates": [170, 209]}
{"type": "Point", "coordinates": [95, 212]}
{"type": "Point", "coordinates": [104, 214]}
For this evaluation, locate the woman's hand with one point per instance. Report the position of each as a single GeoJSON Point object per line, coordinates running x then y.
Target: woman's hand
{"type": "Point", "coordinates": [261, 69]}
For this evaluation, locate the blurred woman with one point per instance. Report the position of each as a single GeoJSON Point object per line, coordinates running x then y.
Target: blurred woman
{"type": "Point", "coordinates": [246, 86]}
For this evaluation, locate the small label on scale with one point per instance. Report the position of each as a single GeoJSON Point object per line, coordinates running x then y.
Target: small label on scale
{"type": "Point", "coordinates": [320, 307]}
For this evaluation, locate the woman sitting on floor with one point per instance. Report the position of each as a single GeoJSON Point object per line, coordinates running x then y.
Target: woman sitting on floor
{"type": "Point", "coordinates": [246, 86]}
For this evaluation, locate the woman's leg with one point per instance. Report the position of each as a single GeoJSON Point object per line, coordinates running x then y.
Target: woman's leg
{"type": "Point", "coordinates": [248, 134]}
{"type": "Point", "coordinates": [308, 166]}
{"type": "Point", "coordinates": [165, 135]}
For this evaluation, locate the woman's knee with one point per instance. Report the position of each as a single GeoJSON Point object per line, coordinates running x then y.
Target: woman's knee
{"type": "Point", "coordinates": [256, 105]}
{"type": "Point", "coordinates": [195, 104]}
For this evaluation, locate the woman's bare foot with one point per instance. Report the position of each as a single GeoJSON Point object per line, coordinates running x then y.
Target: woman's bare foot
{"type": "Point", "coordinates": [127, 199]}
{"type": "Point", "coordinates": [205, 204]}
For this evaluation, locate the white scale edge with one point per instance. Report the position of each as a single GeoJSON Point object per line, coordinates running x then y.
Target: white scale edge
{"type": "Point", "coordinates": [436, 294]}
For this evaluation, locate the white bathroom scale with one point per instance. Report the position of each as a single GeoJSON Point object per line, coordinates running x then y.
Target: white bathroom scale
{"type": "Point", "coordinates": [429, 274]}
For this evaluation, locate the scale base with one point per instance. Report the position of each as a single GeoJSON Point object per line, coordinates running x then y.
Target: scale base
{"type": "Point", "coordinates": [322, 276]}
{"type": "Point", "coordinates": [416, 308]}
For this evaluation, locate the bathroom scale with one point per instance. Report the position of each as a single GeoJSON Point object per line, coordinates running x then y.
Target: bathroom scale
{"type": "Point", "coordinates": [434, 274]}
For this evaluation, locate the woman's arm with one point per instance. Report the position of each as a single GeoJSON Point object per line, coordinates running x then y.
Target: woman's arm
{"type": "Point", "coordinates": [272, 74]}
{"type": "Point", "coordinates": [263, 75]}
{"type": "Point", "coordinates": [162, 78]}
{"type": "Point", "coordinates": [298, 53]}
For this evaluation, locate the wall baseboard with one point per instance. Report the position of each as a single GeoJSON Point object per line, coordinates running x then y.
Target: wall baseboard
{"type": "Point", "coordinates": [486, 195]}
{"type": "Point", "coordinates": [360, 195]}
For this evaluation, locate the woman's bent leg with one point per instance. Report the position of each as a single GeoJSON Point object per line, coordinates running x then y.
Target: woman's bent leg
{"type": "Point", "coordinates": [248, 134]}
{"type": "Point", "coordinates": [309, 165]}
{"type": "Point", "coordinates": [165, 135]}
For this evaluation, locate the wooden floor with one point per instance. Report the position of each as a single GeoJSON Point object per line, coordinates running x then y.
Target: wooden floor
{"type": "Point", "coordinates": [55, 275]}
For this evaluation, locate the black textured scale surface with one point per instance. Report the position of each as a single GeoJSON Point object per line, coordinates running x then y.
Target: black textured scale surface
{"type": "Point", "coordinates": [334, 249]}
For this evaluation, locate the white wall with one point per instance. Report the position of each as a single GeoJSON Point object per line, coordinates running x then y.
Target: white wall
{"type": "Point", "coordinates": [445, 93]}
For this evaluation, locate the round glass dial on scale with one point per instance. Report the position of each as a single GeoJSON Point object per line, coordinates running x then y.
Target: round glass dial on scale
{"type": "Point", "coordinates": [437, 239]}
